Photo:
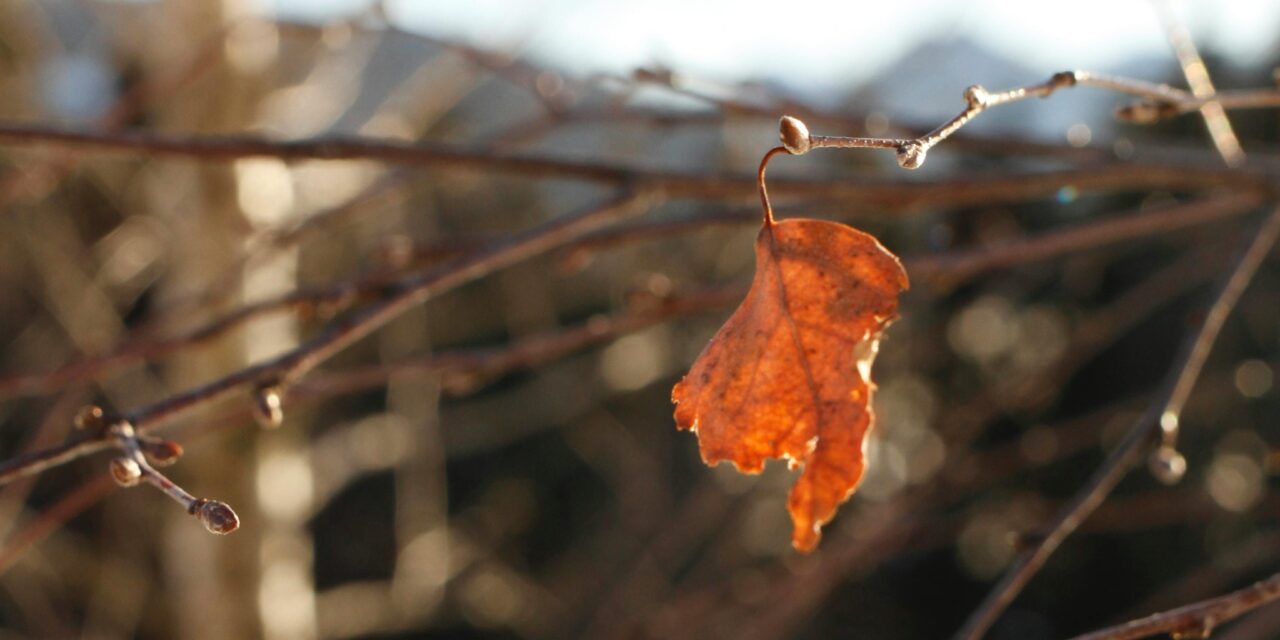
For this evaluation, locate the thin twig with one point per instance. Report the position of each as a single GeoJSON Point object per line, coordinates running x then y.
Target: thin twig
{"type": "Point", "coordinates": [893, 194]}
{"type": "Point", "coordinates": [78, 445]}
{"type": "Point", "coordinates": [1162, 417]}
{"type": "Point", "coordinates": [1197, 75]}
{"type": "Point", "coordinates": [911, 152]}
{"type": "Point", "coordinates": [284, 369]}
{"type": "Point", "coordinates": [947, 268]}
{"type": "Point", "coordinates": [476, 365]}
{"type": "Point", "coordinates": [1195, 620]}
{"type": "Point", "coordinates": [961, 265]}
{"type": "Point", "coordinates": [406, 294]}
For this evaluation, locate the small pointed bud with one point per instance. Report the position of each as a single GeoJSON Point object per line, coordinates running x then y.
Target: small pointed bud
{"type": "Point", "coordinates": [1167, 465]}
{"type": "Point", "coordinates": [90, 417]}
{"type": "Point", "coordinates": [268, 407]}
{"type": "Point", "coordinates": [162, 452]}
{"type": "Point", "coordinates": [125, 471]}
{"type": "Point", "coordinates": [911, 155]}
{"type": "Point", "coordinates": [216, 516]}
{"type": "Point", "coordinates": [794, 135]}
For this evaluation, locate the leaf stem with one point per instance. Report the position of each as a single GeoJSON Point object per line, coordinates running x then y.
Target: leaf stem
{"type": "Point", "coordinates": [764, 192]}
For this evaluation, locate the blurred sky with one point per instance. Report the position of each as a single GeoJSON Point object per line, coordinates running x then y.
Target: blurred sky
{"type": "Point", "coordinates": [819, 44]}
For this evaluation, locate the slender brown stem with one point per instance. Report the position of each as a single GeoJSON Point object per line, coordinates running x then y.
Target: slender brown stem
{"type": "Point", "coordinates": [760, 184]}
{"type": "Point", "coordinates": [1195, 620]}
{"type": "Point", "coordinates": [1162, 413]}
{"type": "Point", "coordinates": [79, 445]}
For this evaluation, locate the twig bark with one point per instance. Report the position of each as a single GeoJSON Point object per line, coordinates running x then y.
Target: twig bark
{"type": "Point", "coordinates": [1196, 620]}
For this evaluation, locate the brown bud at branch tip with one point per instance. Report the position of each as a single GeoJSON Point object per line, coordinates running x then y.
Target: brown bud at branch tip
{"type": "Point", "coordinates": [215, 515]}
{"type": "Point", "coordinates": [794, 135]}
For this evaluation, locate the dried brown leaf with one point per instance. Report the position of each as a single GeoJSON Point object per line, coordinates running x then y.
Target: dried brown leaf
{"type": "Point", "coordinates": [789, 374]}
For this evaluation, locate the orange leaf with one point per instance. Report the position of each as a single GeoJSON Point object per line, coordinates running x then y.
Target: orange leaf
{"type": "Point", "coordinates": [789, 374]}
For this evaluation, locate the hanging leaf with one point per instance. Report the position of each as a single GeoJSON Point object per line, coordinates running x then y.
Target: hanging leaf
{"type": "Point", "coordinates": [789, 374]}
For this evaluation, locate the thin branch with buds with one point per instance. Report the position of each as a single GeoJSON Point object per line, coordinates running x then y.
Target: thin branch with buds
{"type": "Point", "coordinates": [1158, 101]}
{"type": "Point", "coordinates": [463, 370]}
{"type": "Point", "coordinates": [272, 378]}
{"type": "Point", "coordinates": [946, 268]}
{"type": "Point", "coordinates": [1161, 420]}
{"type": "Point", "coordinates": [134, 467]}
{"type": "Point", "coordinates": [1195, 620]}
{"type": "Point", "coordinates": [1109, 176]}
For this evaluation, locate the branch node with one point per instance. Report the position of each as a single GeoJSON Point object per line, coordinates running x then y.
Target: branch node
{"type": "Point", "coordinates": [911, 154]}
{"type": "Point", "coordinates": [125, 471]}
{"type": "Point", "coordinates": [976, 96]}
{"type": "Point", "coordinates": [123, 432]}
{"type": "Point", "coordinates": [1064, 79]}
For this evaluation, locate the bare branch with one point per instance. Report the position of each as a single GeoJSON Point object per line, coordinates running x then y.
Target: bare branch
{"type": "Point", "coordinates": [986, 189]}
{"type": "Point", "coordinates": [1195, 620]}
{"type": "Point", "coordinates": [911, 153]}
{"type": "Point", "coordinates": [288, 367]}
{"type": "Point", "coordinates": [962, 265]}
{"type": "Point", "coordinates": [947, 268]}
{"type": "Point", "coordinates": [1197, 75]}
{"type": "Point", "coordinates": [1161, 417]}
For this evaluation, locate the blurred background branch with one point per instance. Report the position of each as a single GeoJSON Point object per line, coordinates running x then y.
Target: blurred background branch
{"type": "Point", "coordinates": [200, 196]}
